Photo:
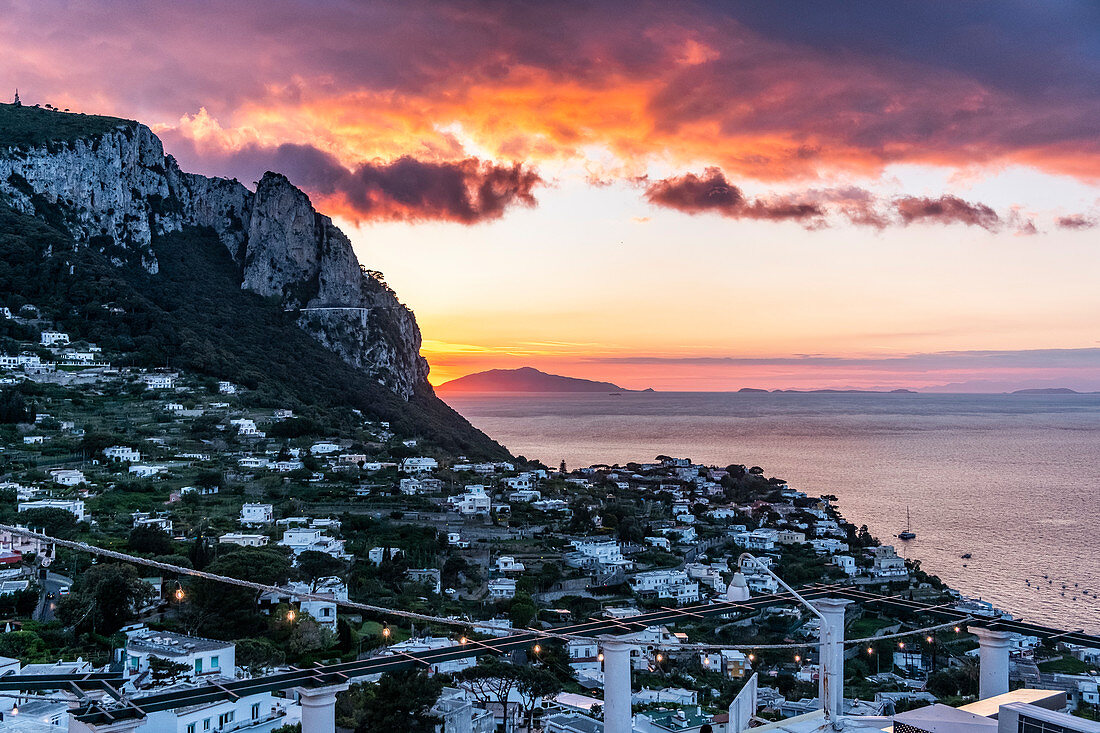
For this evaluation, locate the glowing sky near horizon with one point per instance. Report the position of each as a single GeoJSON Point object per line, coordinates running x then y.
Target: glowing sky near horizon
{"type": "Point", "coordinates": [683, 196]}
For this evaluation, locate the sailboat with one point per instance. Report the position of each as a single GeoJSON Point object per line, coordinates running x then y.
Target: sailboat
{"type": "Point", "coordinates": [908, 534]}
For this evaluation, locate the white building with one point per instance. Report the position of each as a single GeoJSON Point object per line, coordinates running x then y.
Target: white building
{"type": "Point", "coordinates": [508, 564]}
{"type": "Point", "coordinates": [159, 381]}
{"type": "Point", "coordinates": [67, 476]}
{"type": "Point", "coordinates": [671, 584]}
{"type": "Point", "coordinates": [377, 554]}
{"type": "Point", "coordinates": [319, 600]}
{"type": "Point", "coordinates": [145, 471]}
{"type": "Point", "coordinates": [246, 427]}
{"type": "Point", "coordinates": [607, 553]}
{"type": "Point", "coordinates": [201, 656]}
{"type": "Point", "coordinates": [300, 539]}
{"type": "Point", "coordinates": [887, 564]}
{"type": "Point", "coordinates": [53, 338]}
{"type": "Point", "coordinates": [502, 588]}
{"type": "Point", "coordinates": [253, 514]}
{"type": "Point", "coordinates": [324, 447]}
{"type": "Point", "coordinates": [244, 540]}
{"type": "Point", "coordinates": [419, 465]}
{"type": "Point", "coordinates": [73, 506]}
{"type": "Point", "coordinates": [122, 453]}
{"type": "Point", "coordinates": [473, 501]}
{"type": "Point", "coordinates": [730, 662]}
{"type": "Point", "coordinates": [847, 563]}
{"type": "Point", "coordinates": [227, 388]}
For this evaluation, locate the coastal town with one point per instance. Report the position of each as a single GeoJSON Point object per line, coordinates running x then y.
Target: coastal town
{"type": "Point", "coordinates": [332, 518]}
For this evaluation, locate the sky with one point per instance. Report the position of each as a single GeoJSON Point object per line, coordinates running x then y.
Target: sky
{"type": "Point", "coordinates": [684, 196]}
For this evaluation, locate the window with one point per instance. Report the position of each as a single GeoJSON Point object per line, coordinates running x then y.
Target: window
{"type": "Point", "coordinates": [213, 662]}
{"type": "Point", "coordinates": [198, 666]}
{"type": "Point", "coordinates": [190, 728]}
{"type": "Point", "coordinates": [206, 724]}
{"type": "Point", "coordinates": [226, 718]}
{"type": "Point", "coordinates": [255, 710]}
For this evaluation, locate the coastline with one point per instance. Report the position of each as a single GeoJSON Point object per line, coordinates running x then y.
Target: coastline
{"type": "Point", "coordinates": [958, 472]}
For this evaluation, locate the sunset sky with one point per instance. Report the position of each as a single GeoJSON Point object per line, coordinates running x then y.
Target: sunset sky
{"type": "Point", "coordinates": [678, 195]}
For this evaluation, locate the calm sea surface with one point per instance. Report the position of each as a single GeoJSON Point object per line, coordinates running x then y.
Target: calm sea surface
{"type": "Point", "coordinates": [1012, 479]}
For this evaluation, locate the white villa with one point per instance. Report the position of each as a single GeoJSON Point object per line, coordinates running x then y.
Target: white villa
{"type": "Point", "coordinates": [73, 506]}
{"type": "Point", "coordinates": [252, 514]}
{"type": "Point", "coordinates": [244, 540]}
{"type": "Point", "coordinates": [419, 465]}
{"type": "Point", "coordinates": [122, 453]}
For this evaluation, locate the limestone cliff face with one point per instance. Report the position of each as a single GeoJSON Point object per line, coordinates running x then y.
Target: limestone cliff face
{"type": "Point", "coordinates": [117, 191]}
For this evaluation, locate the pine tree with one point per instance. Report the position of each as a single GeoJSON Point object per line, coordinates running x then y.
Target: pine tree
{"type": "Point", "coordinates": [17, 102]}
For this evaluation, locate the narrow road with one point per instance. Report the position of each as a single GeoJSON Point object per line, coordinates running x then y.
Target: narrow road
{"type": "Point", "coordinates": [50, 595]}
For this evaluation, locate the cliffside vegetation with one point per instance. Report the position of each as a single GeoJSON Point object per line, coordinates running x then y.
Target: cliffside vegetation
{"type": "Point", "coordinates": [194, 316]}
{"type": "Point", "coordinates": [22, 126]}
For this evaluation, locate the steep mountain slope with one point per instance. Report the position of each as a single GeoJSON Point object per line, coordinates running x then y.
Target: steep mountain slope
{"type": "Point", "coordinates": [105, 232]}
{"type": "Point", "coordinates": [114, 189]}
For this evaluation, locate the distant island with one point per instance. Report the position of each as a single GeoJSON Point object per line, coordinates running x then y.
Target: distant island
{"type": "Point", "coordinates": [825, 391]}
{"type": "Point", "coordinates": [1047, 390]}
{"type": "Point", "coordinates": [526, 379]}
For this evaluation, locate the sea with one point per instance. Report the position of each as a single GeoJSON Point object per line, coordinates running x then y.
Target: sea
{"type": "Point", "coordinates": [1011, 480]}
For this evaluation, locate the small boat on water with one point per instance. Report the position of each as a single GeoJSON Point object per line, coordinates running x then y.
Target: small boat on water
{"type": "Point", "coordinates": [908, 534]}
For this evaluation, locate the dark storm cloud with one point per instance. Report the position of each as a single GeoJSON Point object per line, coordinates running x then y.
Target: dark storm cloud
{"type": "Point", "coordinates": [711, 192]}
{"type": "Point", "coordinates": [946, 210]}
{"type": "Point", "coordinates": [466, 191]}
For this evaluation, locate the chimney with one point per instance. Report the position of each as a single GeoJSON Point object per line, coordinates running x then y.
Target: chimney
{"type": "Point", "coordinates": [831, 676]}
{"type": "Point", "coordinates": [993, 653]}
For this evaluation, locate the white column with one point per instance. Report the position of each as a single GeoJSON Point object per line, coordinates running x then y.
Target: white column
{"type": "Point", "coordinates": [617, 717]}
{"type": "Point", "coordinates": [993, 651]}
{"type": "Point", "coordinates": [319, 707]}
{"type": "Point", "coordinates": [830, 686]}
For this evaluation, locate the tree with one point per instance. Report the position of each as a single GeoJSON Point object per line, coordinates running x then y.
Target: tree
{"type": "Point", "coordinates": [308, 636]}
{"type": "Point", "coordinates": [522, 611]}
{"type": "Point", "coordinates": [258, 655]}
{"type": "Point", "coordinates": [536, 683]}
{"type": "Point", "coordinates": [400, 702]}
{"type": "Point", "coordinates": [105, 598]}
{"type": "Point", "coordinates": [200, 554]}
{"type": "Point", "coordinates": [165, 670]}
{"type": "Point", "coordinates": [150, 540]}
{"type": "Point", "coordinates": [14, 408]}
{"type": "Point", "coordinates": [316, 564]}
{"type": "Point", "coordinates": [22, 645]}
{"type": "Point", "coordinates": [490, 681]}
{"type": "Point", "coordinates": [227, 611]}
{"type": "Point", "coordinates": [50, 520]}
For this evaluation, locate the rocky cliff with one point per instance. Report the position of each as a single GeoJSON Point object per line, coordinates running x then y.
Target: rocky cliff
{"type": "Point", "coordinates": [116, 191]}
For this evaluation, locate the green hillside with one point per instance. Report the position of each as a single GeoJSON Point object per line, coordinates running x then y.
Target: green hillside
{"type": "Point", "coordinates": [23, 126]}
{"type": "Point", "coordinates": [194, 316]}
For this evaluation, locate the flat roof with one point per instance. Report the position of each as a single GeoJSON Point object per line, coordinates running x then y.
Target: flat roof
{"type": "Point", "coordinates": [990, 705]}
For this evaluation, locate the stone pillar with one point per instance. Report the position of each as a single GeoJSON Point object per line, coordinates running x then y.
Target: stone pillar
{"type": "Point", "coordinates": [993, 651]}
{"type": "Point", "coordinates": [830, 685]}
{"type": "Point", "coordinates": [319, 707]}
{"type": "Point", "coordinates": [127, 725]}
{"type": "Point", "coordinates": [617, 715]}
